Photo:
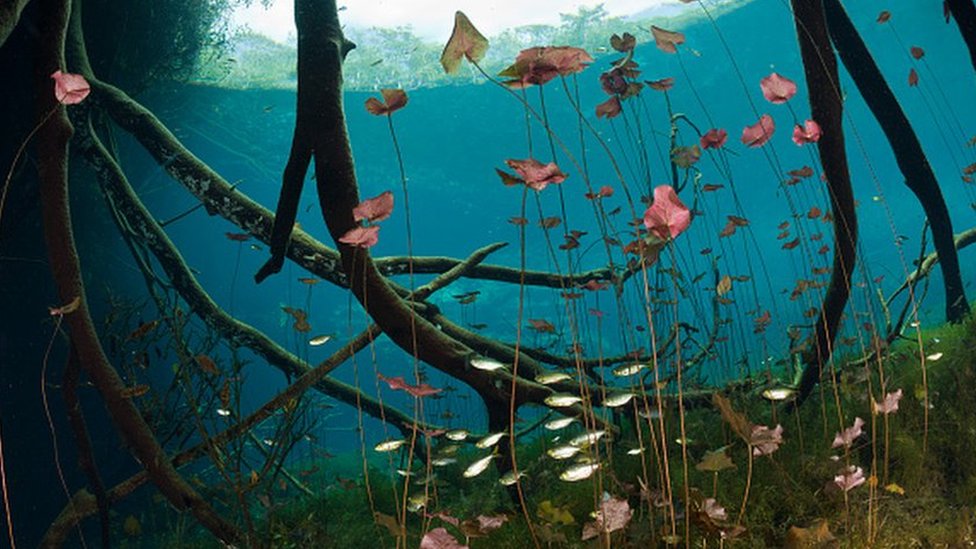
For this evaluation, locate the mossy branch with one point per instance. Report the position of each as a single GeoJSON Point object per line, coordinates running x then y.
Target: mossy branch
{"type": "Point", "coordinates": [52, 141]}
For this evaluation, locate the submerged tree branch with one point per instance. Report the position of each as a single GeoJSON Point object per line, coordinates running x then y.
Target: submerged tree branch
{"type": "Point", "coordinates": [86, 457]}
{"type": "Point", "coordinates": [826, 106]}
{"type": "Point", "coordinates": [9, 16]}
{"type": "Point", "coordinates": [909, 156]}
{"type": "Point", "coordinates": [237, 333]}
{"type": "Point", "coordinates": [961, 240]}
{"type": "Point", "coordinates": [220, 198]}
{"type": "Point", "coordinates": [964, 12]}
{"type": "Point", "coordinates": [52, 140]}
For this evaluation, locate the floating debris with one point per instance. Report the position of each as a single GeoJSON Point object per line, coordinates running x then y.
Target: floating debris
{"type": "Point", "coordinates": [558, 424]}
{"type": "Point", "coordinates": [489, 440]}
{"type": "Point", "coordinates": [561, 400]}
{"type": "Point", "coordinates": [478, 467]}
{"type": "Point", "coordinates": [487, 364]}
{"type": "Point", "coordinates": [579, 472]}
{"type": "Point", "coordinates": [142, 330]}
{"type": "Point", "coordinates": [390, 445]}
{"type": "Point", "coordinates": [554, 377]}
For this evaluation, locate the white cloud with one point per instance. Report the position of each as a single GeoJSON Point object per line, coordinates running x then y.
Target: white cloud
{"type": "Point", "coordinates": [433, 19]}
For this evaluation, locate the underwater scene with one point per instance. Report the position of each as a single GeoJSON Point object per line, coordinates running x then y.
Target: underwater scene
{"type": "Point", "coordinates": [675, 273]}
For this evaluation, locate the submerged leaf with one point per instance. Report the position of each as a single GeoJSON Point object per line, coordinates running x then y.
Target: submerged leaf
{"type": "Point", "coordinates": [736, 420]}
{"type": "Point", "coordinates": [667, 40]}
{"type": "Point", "coordinates": [667, 217]}
{"type": "Point", "coordinates": [70, 89]}
{"type": "Point", "coordinates": [715, 461]}
{"type": "Point", "coordinates": [361, 237]}
{"type": "Point", "coordinates": [374, 209]}
{"type": "Point", "coordinates": [439, 538]}
{"type": "Point", "coordinates": [759, 133]}
{"type": "Point", "coordinates": [777, 89]}
{"type": "Point", "coordinates": [393, 100]}
{"type": "Point", "coordinates": [613, 515]}
{"type": "Point", "coordinates": [465, 41]}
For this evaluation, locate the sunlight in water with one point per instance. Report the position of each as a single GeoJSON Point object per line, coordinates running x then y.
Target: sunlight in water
{"type": "Point", "coordinates": [430, 19]}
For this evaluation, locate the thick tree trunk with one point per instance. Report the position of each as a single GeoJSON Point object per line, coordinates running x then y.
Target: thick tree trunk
{"type": "Point", "coordinates": [52, 141]}
{"type": "Point", "coordinates": [820, 68]}
{"type": "Point", "coordinates": [906, 146]}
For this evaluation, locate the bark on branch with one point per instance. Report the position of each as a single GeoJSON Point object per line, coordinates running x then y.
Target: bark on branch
{"type": "Point", "coordinates": [52, 140]}
{"type": "Point", "coordinates": [904, 143]}
{"type": "Point", "coordinates": [10, 11]}
{"type": "Point", "coordinates": [820, 68]}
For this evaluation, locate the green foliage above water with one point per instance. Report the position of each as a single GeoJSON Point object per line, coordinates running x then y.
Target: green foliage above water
{"type": "Point", "coordinates": [397, 58]}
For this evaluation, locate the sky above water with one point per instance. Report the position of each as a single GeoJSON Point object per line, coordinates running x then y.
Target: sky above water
{"type": "Point", "coordinates": [433, 19]}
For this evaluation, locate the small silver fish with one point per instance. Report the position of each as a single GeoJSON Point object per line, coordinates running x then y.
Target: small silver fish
{"type": "Point", "coordinates": [509, 478]}
{"type": "Point", "coordinates": [776, 394]}
{"type": "Point", "coordinates": [565, 451]}
{"type": "Point", "coordinates": [579, 472]}
{"type": "Point", "coordinates": [487, 364]}
{"type": "Point", "coordinates": [478, 467]}
{"type": "Point", "coordinates": [561, 400]}
{"type": "Point", "coordinates": [449, 450]}
{"type": "Point", "coordinates": [635, 451]}
{"type": "Point", "coordinates": [390, 445]}
{"type": "Point", "coordinates": [553, 377]}
{"type": "Point", "coordinates": [558, 424]}
{"type": "Point", "coordinates": [223, 412]}
{"type": "Point", "coordinates": [628, 369]}
{"type": "Point", "coordinates": [587, 439]}
{"type": "Point", "coordinates": [442, 462]}
{"type": "Point", "coordinates": [653, 413]}
{"type": "Point", "coordinates": [934, 356]}
{"type": "Point", "coordinates": [617, 400]}
{"type": "Point", "coordinates": [416, 502]}
{"type": "Point", "coordinates": [457, 435]}
{"type": "Point", "coordinates": [489, 440]}
{"type": "Point", "coordinates": [320, 340]}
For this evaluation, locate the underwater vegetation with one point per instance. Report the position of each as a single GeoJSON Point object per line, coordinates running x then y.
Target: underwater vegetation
{"type": "Point", "coordinates": [688, 338]}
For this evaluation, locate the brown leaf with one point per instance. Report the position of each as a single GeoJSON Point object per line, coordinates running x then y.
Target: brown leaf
{"type": "Point", "coordinates": [737, 421]}
{"type": "Point", "coordinates": [390, 523]}
{"type": "Point", "coordinates": [723, 286]}
{"type": "Point", "coordinates": [715, 461]}
{"type": "Point", "coordinates": [613, 515]}
{"type": "Point", "coordinates": [667, 40]}
{"type": "Point", "coordinates": [134, 391]}
{"type": "Point", "coordinates": [465, 41]}
{"type": "Point", "coordinates": [817, 535]}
